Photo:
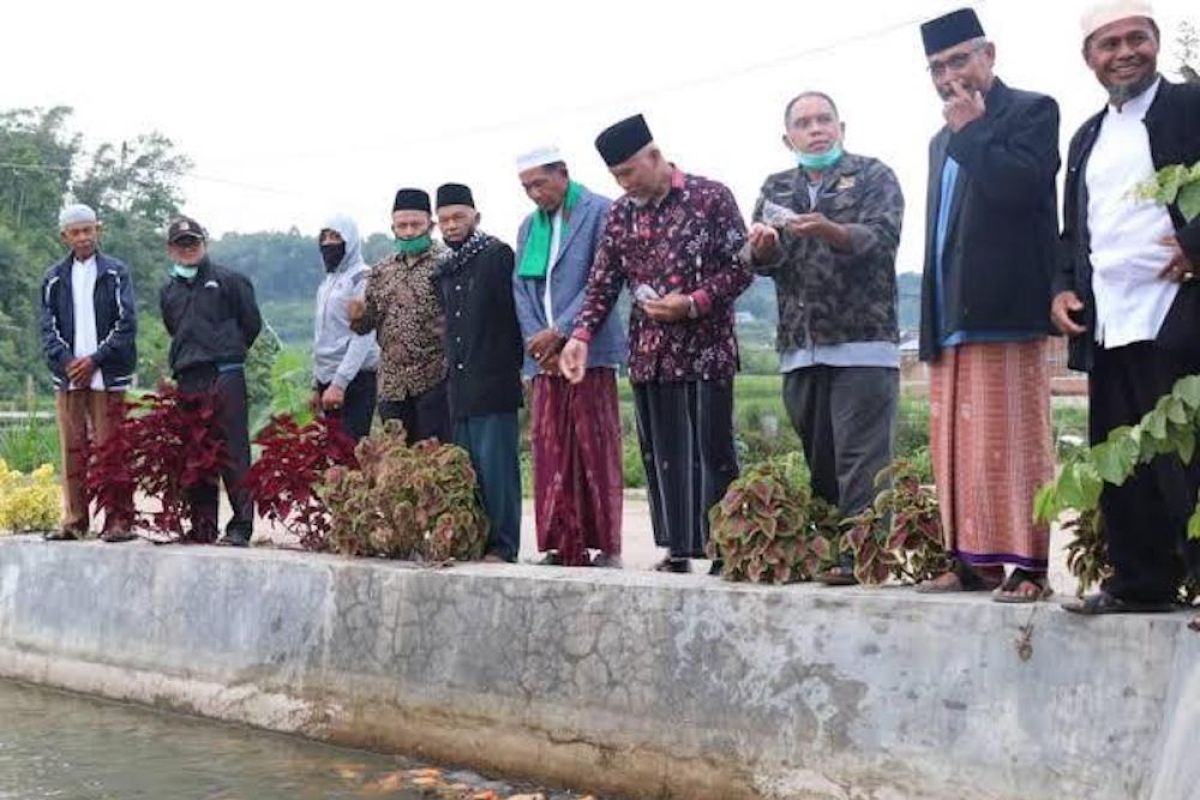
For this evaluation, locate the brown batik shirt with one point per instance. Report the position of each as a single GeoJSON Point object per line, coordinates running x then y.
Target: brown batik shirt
{"type": "Point", "coordinates": [403, 309]}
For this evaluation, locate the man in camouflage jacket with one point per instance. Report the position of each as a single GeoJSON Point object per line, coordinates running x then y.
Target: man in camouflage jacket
{"type": "Point", "coordinates": [827, 233]}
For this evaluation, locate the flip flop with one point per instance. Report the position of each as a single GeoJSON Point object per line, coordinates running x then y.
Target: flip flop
{"type": "Point", "coordinates": [1011, 590]}
{"type": "Point", "coordinates": [959, 578]}
{"type": "Point", "coordinates": [1105, 603]}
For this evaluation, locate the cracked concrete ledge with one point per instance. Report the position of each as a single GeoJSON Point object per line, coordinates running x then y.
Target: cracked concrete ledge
{"type": "Point", "coordinates": [645, 685]}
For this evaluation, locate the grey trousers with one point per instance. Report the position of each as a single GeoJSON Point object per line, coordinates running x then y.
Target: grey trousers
{"type": "Point", "coordinates": [846, 420]}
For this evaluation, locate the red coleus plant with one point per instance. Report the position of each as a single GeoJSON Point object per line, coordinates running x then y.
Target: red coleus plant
{"type": "Point", "coordinates": [168, 443]}
{"type": "Point", "coordinates": [292, 463]}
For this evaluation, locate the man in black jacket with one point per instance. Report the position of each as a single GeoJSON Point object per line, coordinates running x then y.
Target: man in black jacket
{"type": "Point", "coordinates": [212, 317]}
{"type": "Point", "coordinates": [1126, 295]}
{"type": "Point", "coordinates": [89, 333]}
{"type": "Point", "coordinates": [484, 350]}
{"type": "Point", "coordinates": [991, 237]}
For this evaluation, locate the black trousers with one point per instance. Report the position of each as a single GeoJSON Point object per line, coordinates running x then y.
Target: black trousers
{"type": "Point", "coordinates": [234, 425]}
{"type": "Point", "coordinates": [845, 417]}
{"type": "Point", "coordinates": [424, 416]}
{"type": "Point", "coordinates": [1146, 518]}
{"type": "Point", "coordinates": [358, 407]}
{"type": "Point", "coordinates": [685, 431]}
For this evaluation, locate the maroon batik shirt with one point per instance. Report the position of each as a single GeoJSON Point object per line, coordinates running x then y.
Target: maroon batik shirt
{"type": "Point", "coordinates": [687, 243]}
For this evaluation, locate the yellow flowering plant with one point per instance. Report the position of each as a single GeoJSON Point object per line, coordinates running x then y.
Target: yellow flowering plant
{"type": "Point", "coordinates": [28, 502]}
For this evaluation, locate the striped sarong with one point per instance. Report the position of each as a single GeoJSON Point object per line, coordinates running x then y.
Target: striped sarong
{"type": "Point", "coordinates": [990, 443]}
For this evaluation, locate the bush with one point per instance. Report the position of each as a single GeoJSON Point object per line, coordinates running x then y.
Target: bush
{"type": "Point", "coordinates": [769, 528]}
{"type": "Point", "coordinates": [900, 535]}
{"type": "Point", "coordinates": [418, 502]}
{"type": "Point", "coordinates": [168, 444]}
{"type": "Point", "coordinates": [29, 502]}
{"type": "Point", "coordinates": [293, 460]}
{"type": "Point", "coordinates": [29, 444]}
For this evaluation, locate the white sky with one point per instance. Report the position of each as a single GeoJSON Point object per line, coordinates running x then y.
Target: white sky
{"type": "Point", "coordinates": [292, 111]}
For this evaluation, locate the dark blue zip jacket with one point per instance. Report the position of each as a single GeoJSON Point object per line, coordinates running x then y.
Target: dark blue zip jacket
{"type": "Point", "coordinates": [116, 322]}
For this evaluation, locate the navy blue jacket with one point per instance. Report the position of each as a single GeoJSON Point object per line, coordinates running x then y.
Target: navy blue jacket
{"type": "Point", "coordinates": [116, 322]}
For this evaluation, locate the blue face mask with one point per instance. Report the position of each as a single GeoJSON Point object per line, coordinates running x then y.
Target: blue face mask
{"type": "Point", "coordinates": [819, 162]}
{"type": "Point", "coordinates": [187, 273]}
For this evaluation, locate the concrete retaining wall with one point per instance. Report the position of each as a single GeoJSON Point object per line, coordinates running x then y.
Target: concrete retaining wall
{"type": "Point", "coordinates": [646, 685]}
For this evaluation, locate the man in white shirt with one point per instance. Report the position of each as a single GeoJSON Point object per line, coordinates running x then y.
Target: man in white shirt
{"type": "Point", "coordinates": [89, 331]}
{"type": "Point", "coordinates": [1127, 297]}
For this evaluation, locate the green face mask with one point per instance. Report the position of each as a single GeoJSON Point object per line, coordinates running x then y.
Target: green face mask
{"type": "Point", "coordinates": [819, 162]}
{"type": "Point", "coordinates": [413, 247]}
{"type": "Point", "coordinates": [187, 273]}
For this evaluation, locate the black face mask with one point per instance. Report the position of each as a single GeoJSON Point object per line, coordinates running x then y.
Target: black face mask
{"type": "Point", "coordinates": [332, 255]}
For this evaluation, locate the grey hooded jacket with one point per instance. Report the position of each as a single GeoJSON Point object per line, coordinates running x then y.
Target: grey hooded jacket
{"type": "Point", "coordinates": [339, 354]}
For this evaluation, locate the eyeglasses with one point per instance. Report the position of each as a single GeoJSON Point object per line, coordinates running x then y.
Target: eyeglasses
{"type": "Point", "coordinates": [955, 62]}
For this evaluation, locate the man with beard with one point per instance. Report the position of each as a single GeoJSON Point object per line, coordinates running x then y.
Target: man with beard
{"type": "Point", "coordinates": [401, 305]}
{"type": "Point", "coordinates": [991, 243]}
{"type": "Point", "coordinates": [344, 362]}
{"type": "Point", "coordinates": [484, 353]}
{"type": "Point", "coordinates": [1128, 298]}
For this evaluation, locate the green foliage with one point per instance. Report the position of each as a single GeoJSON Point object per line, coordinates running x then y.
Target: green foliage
{"type": "Point", "coordinates": [900, 535]}
{"type": "Point", "coordinates": [769, 528]}
{"type": "Point", "coordinates": [1169, 429]}
{"type": "Point", "coordinates": [1177, 185]}
{"type": "Point", "coordinates": [418, 502]}
{"type": "Point", "coordinates": [30, 443]}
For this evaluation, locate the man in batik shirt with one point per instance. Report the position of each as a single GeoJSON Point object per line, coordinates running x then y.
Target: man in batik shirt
{"type": "Point", "coordinates": [673, 238]}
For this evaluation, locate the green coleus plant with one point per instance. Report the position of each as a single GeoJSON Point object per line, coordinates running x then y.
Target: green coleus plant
{"type": "Point", "coordinates": [769, 528]}
{"type": "Point", "coordinates": [900, 536]}
{"type": "Point", "coordinates": [419, 503]}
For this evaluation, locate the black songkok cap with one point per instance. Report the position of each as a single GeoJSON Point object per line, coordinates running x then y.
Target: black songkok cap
{"type": "Point", "coordinates": [454, 194]}
{"type": "Point", "coordinates": [950, 30]}
{"type": "Point", "coordinates": [412, 200]}
{"type": "Point", "coordinates": [620, 142]}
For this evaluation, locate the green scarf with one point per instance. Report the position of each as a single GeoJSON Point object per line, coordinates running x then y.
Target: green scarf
{"type": "Point", "coordinates": [535, 261]}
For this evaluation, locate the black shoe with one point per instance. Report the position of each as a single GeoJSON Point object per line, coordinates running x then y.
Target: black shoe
{"type": "Point", "coordinates": [717, 565]}
{"type": "Point", "coordinates": [670, 564]}
{"type": "Point", "coordinates": [63, 535]}
{"type": "Point", "coordinates": [234, 540]}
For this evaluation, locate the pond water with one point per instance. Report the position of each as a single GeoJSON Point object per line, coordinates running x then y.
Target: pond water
{"type": "Point", "coordinates": [70, 747]}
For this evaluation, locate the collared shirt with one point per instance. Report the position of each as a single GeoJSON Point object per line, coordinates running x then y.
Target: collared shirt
{"type": "Point", "coordinates": [837, 306]}
{"type": "Point", "coordinates": [403, 309]}
{"type": "Point", "coordinates": [688, 243]}
{"type": "Point", "coordinates": [83, 291]}
{"type": "Point", "coordinates": [954, 338]}
{"type": "Point", "coordinates": [1127, 254]}
{"type": "Point", "coordinates": [556, 226]}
